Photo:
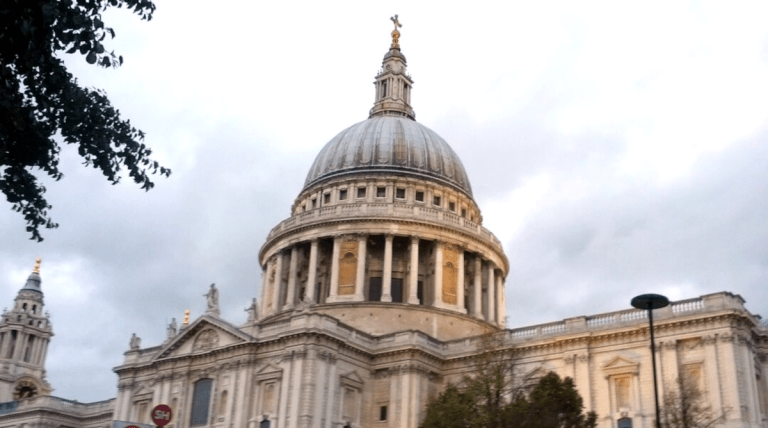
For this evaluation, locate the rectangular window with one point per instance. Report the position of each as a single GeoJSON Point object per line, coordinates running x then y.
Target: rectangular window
{"type": "Point", "coordinates": [201, 400]}
{"type": "Point", "coordinates": [397, 290]}
{"type": "Point", "coordinates": [464, 212]}
{"type": "Point", "coordinates": [400, 193]}
{"type": "Point", "coordinates": [452, 206]}
{"type": "Point", "coordinates": [342, 194]}
{"type": "Point", "coordinates": [326, 198]}
{"type": "Point", "coordinates": [314, 203]}
{"type": "Point", "coordinates": [381, 192]}
{"type": "Point", "coordinates": [361, 192]}
{"type": "Point", "coordinates": [436, 201]}
{"type": "Point", "coordinates": [382, 413]}
{"type": "Point", "coordinates": [374, 289]}
{"type": "Point", "coordinates": [420, 196]}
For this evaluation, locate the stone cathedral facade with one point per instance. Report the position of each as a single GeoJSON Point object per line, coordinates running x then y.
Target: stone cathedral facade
{"type": "Point", "coordinates": [379, 290]}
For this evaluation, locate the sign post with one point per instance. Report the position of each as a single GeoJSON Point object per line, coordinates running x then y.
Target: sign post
{"type": "Point", "coordinates": [161, 415]}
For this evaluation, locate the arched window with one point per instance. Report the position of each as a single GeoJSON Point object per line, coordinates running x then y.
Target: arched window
{"type": "Point", "coordinates": [201, 403]}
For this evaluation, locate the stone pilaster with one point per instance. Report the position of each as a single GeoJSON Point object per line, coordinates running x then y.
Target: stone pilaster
{"type": "Point", "coordinates": [491, 293]}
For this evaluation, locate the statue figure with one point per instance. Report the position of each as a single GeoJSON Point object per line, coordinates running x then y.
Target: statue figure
{"type": "Point", "coordinates": [135, 341]}
{"type": "Point", "coordinates": [212, 298]}
{"type": "Point", "coordinates": [253, 312]}
{"type": "Point", "coordinates": [172, 328]}
{"type": "Point", "coordinates": [186, 319]}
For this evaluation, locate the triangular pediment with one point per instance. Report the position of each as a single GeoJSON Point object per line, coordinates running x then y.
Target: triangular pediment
{"type": "Point", "coordinates": [352, 379]}
{"type": "Point", "coordinates": [205, 334]}
{"type": "Point", "coordinates": [621, 365]}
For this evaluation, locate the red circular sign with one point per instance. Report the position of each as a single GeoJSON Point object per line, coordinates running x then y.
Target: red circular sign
{"type": "Point", "coordinates": [161, 415]}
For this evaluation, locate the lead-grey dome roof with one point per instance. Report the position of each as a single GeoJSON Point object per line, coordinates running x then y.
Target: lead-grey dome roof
{"type": "Point", "coordinates": [389, 144]}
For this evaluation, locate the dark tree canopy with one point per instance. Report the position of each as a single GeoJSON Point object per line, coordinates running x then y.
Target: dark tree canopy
{"type": "Point", "coordinates": [553, 403]}
{"type": "Point", "coordinates": [39, 99]}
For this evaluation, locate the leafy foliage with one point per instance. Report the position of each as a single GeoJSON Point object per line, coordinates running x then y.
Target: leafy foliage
{"type": "Point", "coordinates": [39, 99]}
{"type": "Point", "coordinates": [492, 398]}
{"type": "Point", "coordinates": [553, 403]}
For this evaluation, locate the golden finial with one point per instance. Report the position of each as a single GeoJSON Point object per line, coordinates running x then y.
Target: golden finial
{"type": "Point", "coordinates": [395, 33]}
{"type": "Point", "coordinates": [37, 266]}
{"type": "Point", "coordinates": [186, 317]}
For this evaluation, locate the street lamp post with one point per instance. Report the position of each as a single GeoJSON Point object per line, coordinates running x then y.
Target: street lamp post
{"type": "Point", "coordinates": [651, 302]}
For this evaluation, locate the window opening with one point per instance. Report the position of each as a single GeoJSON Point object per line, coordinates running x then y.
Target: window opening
{"type": "Point", "coordinates": [327, 198]}
{"type": "Point", "coordinates": [314, 203]}
{"type": "Point", "coordinates": [361, 192]}
{"type": "Point", "coordinates": [420, 195]}
{"type": "Point", "coordinates": [397, 290]}
{"type": "Point", "coordinates": [464, 212]}
{"type": "Point", "coordinates": [400, 193]}
{"type": "Point", "coordinates": [420, 292]}
{"type": "Point", "coordinates": [381, 192]}
{"type": "Point", "coordinates": [436, 201]}
{"type": "Point", "coordinates": [382, 413]}
{"type": "Point", "coordinates": [374, 289]}
{"type": "Point", "coordinates": [201, 399]}
{"type": "Point", "coordinates": [342, 194]}
{"type": "Point", "coordinates": [452, 206]}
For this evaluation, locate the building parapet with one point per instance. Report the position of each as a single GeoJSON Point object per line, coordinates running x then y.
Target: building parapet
{"type": "Point", "coordinates": [74, 408]}
{"type": "Point", "coordinates": [384, 210]}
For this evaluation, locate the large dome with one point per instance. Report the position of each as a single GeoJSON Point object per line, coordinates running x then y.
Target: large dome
{"type": "Point", "coordinates": [390, 144]}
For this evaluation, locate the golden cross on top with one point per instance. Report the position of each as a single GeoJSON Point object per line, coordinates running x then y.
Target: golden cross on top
{"type": "Point", "coordinates": [397, 23]}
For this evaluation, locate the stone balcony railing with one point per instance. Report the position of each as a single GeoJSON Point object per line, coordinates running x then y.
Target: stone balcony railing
{"type": "Point", "coordinates": [384, 210]}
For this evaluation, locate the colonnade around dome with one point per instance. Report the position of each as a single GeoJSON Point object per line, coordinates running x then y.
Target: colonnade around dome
{"type": "Point", "coordinates": [384, 267]}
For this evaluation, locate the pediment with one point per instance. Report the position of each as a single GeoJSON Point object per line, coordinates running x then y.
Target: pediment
{"type": "Point", "coordinates": [204, 335]}
{"type": "Point", "coordinates": [536, 374]}
{"type": "Point", "coordinates": [621, 365]}
{"type": "Point", "coordinates": [142, 392]}
{"type": "Point", "coordinates": [352, 379]}
{"type": "Point", "coordinates": [269, 371]}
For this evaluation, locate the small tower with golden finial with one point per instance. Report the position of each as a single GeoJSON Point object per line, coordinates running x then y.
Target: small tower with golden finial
{"type": "Point", "coordinates": [393, 84]}
{"type": "Point", "coordinates": [25, 332]}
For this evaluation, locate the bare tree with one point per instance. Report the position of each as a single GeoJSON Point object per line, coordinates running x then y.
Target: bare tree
{"type": "Point", "coordinates": [686, 405]}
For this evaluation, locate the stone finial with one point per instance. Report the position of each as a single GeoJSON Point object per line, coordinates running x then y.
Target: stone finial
{"type": "Point", "coordinates": [37, 266]}
{"type": "Point", "coordinates": [186, 318]}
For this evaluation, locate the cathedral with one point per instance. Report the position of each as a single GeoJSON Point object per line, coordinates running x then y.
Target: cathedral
{"type": "Point", "coordinates": [377, 292]}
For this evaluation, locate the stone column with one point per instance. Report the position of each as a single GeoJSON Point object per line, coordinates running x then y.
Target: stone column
{"type": "Point", "coordinates": [386, 293]}
{"type": "Point", "coordinates": [312, 274]}
{"type": "Point", "coordinates": [438, 302]}
{"type": "Point", "coordinates": [362, 247]}
{"type": "Point", "coordinates": [413, 280]}
{"type": "Point", "coordinates": [335, 270]}
{"type": "Point", "coordinates": [21, 342]}
{"type": "Point", "coordinates": [478, 287]}
{"type": "Point", "coordinates": [460, 282]}
{"type": "Point", "coordinates": [278, 285]}
{"type": "Point", "coordinates": [4, 347]}
{"type": "Point", "coordinates": [491, 294]}
{"type": "Point", "coordinates": [290, 298]}
{"type": "Point", "coordinates": [500, 307]}
{"type": "Point", "coordinates": [263, 300]}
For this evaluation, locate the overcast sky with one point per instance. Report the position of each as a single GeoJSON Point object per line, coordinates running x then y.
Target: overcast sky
{"type": "Point", "coordinates": [615, 150]}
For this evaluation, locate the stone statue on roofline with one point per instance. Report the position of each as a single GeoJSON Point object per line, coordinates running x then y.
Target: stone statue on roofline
{"type": "Point", "coordinates": [135, 342]}
{"type": "Point", "coordinates": [212, 299]}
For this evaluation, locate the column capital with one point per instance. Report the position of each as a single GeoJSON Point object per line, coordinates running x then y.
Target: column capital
{"type": "Point", "coordinates": [362, 236]}
{"type": "Point", "coordinates": [414, 239]}
{"type": "Point", "coordinates": [389, 236]}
